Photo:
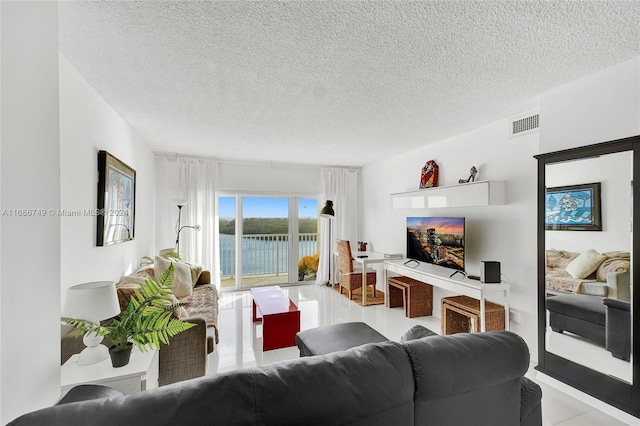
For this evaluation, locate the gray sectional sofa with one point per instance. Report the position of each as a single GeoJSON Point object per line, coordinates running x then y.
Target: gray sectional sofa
{"type": "Point", "coordinates": [464, 379]}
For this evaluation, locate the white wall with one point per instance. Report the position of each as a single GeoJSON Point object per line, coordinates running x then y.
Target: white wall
{"type": "Point", "coordinates": [53, 124]}
{"type": "Point", "coordinates": [29, 179]}
{"type": "Point", "coordinates": [600, 107]}
{"type": "Point", "coordinates": [614, 172]}
{"type": "Point", "coordinates": [503, 233]}
{"type": "Point", "coordinates": [88, 124]}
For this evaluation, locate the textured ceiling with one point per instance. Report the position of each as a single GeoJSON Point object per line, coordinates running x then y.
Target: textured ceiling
{"type": "Point", "coordinates": [333, 82]}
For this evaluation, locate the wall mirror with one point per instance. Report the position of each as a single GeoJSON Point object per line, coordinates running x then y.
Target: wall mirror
{"type": "Point", "coordinates": [586, 301]}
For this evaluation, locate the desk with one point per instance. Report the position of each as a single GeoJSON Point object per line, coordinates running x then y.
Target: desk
{"type": "Point", "coordinates": [280, 317]}
{"type": "Point", "coordinates": [372, 257]}
{"type": "Point", "coordinates": [439, 276]}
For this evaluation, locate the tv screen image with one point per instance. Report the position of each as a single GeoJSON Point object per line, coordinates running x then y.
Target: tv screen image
{"type": "Point", "coordinates": [436, 240]}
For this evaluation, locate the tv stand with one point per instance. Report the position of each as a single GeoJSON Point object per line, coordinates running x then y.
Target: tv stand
{"type": "Point", "coordinates": [441, 277]}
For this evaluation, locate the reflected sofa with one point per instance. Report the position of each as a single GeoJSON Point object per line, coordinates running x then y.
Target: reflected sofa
{"type": "Point", "coordinates": [609, 279]}
{"type": "Point", "coordinates": [595, 307]}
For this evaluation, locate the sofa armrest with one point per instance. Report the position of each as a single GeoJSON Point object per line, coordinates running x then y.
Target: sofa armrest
{"type": "Point", "coordinates": [186, 355]}
{"type": "Point", "coordinates": [618, 328]}
{"type": "Point", "coordinates": [618, 283]}
{"type": "Point", "coordinates": [70, 345]}
{"type": "Point", "coordinates": [617, 304]}
{"type": "Point", "coordinates": [530, 403]}
{"type": "Point", "coordinates": [204, 278]}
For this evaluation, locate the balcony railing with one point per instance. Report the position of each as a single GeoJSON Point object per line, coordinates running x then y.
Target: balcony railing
{"type": "Point", "coordinates": [263, 254]}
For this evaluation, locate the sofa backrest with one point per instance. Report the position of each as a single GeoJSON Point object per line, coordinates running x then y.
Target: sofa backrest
{"type": "Point", "coordinates": [460, 379]}
{"type": "Point", "coordinates": [469, 379]}
{"type": "Point", "coordinates": [368, 385]}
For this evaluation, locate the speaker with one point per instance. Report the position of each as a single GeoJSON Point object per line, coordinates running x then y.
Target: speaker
{"type": "Point", "coordinates": [490, 272]}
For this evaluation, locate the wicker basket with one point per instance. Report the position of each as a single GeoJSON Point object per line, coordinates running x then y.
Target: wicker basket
{"type": "Point", "coordinates": [461, 314]}
{"type": "Point", "coordinates": [414, 295]}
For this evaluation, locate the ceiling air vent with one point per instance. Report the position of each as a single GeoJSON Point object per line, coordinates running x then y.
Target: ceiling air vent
{"type": "Point", "coordinates": [523, 125]}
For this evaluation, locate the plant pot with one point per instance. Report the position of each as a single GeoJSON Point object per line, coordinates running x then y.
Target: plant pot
{"type": "Point", "coordinates": [362, 248]}
{"type": "Point", "coordinates": [120, 357]}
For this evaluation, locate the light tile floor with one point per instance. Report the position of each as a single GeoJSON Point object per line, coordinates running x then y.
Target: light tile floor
{"type": "Point", "coordinates": [241, 343]}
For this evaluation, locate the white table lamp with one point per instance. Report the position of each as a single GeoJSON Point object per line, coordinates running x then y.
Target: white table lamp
{"type": "Point", "coordinates": [94, 301]}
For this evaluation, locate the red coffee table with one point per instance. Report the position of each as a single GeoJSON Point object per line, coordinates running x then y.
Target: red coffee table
{"type": "Point", "coordinates": [280, 317]}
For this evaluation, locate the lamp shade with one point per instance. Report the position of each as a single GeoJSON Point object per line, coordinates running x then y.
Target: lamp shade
{"type": "Point", "coordinates": [94, 301]}
{"type": "Point", "coordinates": [327, 210]}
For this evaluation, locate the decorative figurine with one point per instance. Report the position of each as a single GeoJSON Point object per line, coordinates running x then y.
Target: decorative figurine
{"type": "Point", "coordinates": [429, 175]}
{"type": "Point", "coordinates": [472, 177]}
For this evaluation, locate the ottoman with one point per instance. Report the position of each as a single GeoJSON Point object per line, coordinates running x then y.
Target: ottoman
{"type": "Point", "coordinates": [336, 337]}
{"type": "Point", "coordinates": [580, 314]}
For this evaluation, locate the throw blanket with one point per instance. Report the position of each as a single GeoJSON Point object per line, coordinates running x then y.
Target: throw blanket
{"type": "Point", "coordinates": [558, 279]}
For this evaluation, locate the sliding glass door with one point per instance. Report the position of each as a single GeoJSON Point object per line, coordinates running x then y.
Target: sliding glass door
{"type": "Point", "coordinates": [278, 243]}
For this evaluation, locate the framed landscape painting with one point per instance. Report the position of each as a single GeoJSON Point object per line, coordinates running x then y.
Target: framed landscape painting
{"type": "Point", "coordinates": [116, 200]}
{"type": "Point", "coordinates": [573, 208]}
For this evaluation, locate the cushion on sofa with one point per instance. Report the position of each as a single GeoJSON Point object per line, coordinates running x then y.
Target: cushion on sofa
{"type": "Point", "coordinates": [489, 377]}
{"type": "Point", "coordinates": [126, 290]}
{"type": "Point", "coordinates": [559, 259]}
{"type": "Point", "coordinates": [182, 282]}
{"type": "Point", "coordinates": [585, 264]}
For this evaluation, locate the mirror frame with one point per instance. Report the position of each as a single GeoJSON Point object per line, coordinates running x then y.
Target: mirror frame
{"type": "Point", "coordinates": [617, 393]}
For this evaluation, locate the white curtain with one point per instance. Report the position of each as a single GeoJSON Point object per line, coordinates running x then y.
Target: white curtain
{"type": "Point", "coordinates": [198, 185]}
{"type": "Point", "coordinates": [339, 185]}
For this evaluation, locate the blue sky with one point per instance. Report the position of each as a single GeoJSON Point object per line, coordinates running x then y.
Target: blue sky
{"type": "Point", "coordinates": [267, 207]}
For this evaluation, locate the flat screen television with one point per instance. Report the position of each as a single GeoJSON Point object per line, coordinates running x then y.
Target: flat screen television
{"type": "Point", "coordinates": [436, 240]}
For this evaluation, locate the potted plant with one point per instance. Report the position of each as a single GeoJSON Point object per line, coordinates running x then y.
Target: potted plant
{"type": "Point", "coordinates": [362, 246]}
{"type": "Point", "coordinates": [146, 321]}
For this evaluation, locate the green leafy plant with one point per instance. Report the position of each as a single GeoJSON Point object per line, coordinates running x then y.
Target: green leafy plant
{"type": "Point", "coordinates": [147, 321]}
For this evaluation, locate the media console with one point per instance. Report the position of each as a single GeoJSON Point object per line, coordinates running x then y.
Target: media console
{"type": "Point", "coordinates": [438, 276]}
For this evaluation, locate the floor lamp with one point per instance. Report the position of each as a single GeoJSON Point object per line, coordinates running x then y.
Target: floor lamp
{"type": "Point", "coordinates": [179, 228]}
{"type": "Point", "coordinates": [327, 212]}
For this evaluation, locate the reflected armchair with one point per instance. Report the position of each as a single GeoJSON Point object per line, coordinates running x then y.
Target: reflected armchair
{"type": "Point", "coordinates": [350, 280]}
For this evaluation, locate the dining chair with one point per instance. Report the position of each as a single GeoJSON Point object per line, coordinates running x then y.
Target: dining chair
{"type": "Point", "coordinates": [350, 280]}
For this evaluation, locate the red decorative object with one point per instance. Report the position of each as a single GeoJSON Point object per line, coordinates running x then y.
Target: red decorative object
{"type": "Point", "coordinates": [279, 315]}
{"type": "Point", "coordinates": [429, 176]}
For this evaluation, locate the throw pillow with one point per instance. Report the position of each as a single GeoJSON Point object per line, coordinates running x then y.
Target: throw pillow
{"type": "Point", "coordinates": [585, 264]}
{"type": "Point", "coordinates": [182, 285]}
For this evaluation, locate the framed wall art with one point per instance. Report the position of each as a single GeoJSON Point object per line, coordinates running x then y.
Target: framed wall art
{"type": "Point", "coordinates": [116, 200]}
{"type": "Point", "coordinates": [573, 208]}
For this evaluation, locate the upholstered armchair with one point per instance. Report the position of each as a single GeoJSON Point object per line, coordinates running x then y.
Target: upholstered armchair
{"type": "Point", "coordinates": [350, 280]}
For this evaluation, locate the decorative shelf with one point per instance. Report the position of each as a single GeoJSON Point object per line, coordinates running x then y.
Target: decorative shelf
{"type": "Point", "coordinates": [472, 194]}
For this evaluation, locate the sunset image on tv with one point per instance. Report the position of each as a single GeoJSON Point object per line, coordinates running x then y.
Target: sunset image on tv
{"type": "Point", "coordinates": [436, 240]}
